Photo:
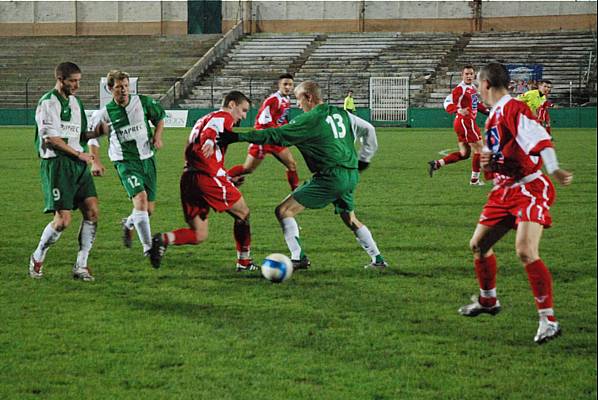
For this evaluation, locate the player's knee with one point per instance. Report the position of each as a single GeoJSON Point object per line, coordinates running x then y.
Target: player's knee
{"type": "Point", "coordinates": [200, 237]}
{"type": "Point", "coordinates": [292, 166]}
{"type": "Point", "coordinates": [61, 222]}
{"type": "Point", "coordinates": [526, 254]}
{"type": "Point", "coordinates": [465, 154]}
{"type": "Point", "coordinates": [474, 245]}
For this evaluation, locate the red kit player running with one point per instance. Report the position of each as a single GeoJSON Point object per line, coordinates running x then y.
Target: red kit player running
{"type": "Point", "coordinates": [205, 184]}
{"type": "Point", "coordinates": [463, 101]}
{"type": "Point", "coordinates": [517, 146]}
{"type": "Point", "coordinates": [272, 114]}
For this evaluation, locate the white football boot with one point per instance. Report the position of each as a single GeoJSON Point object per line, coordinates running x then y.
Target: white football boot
{"type": "Point", "coordinates": [547, 330]}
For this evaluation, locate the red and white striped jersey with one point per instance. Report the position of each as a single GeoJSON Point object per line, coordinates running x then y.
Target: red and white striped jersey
{"type": "Point", "coordinates": [466, 97]}
{"type": "Point", "coordinates": [273, 112]}
{"type": "Point", "coordinates": [207, 128]}
{"type": "Point", "coordinates": [516, 138]}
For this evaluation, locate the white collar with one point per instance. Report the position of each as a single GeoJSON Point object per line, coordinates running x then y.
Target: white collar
{"type": "Point", "coordinates": [500, 104]}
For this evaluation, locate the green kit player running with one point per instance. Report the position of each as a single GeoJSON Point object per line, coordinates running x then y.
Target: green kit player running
{"type": "Point", "coordinates": [125, 120]}
{"type": "Point", "coordinates": [325, 135]}
{"type": "Point", "coordinates": [67, 183]}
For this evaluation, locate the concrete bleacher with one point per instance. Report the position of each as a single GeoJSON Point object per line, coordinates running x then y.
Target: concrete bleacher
{"type": "Point", "coordinates": [563, 55]}
{"type": "Point", "coordinates": [252, 66]}
{"type": "Point", "coordinates": [156, 60]}
{"type": "Point", "coordinates": [347, 61]}
{"type": "Point", "coordinates": [337, 61]}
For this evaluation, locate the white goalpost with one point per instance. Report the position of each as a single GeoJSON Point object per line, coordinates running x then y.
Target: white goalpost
{"type": "Point", "coordinates": [389, 99]}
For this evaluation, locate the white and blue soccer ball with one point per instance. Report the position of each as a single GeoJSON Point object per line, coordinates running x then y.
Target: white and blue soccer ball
{"type": "Point", "coordinates": [277, 268]}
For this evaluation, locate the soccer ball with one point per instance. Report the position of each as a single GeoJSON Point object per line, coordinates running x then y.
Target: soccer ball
{"type": "Point", "coordinates": [277, 268]}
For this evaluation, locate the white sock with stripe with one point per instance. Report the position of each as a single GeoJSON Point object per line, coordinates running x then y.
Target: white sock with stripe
{"type": "Point", "coordinates": [291, 236]}
{"type": "Point", "coordinates": [48, 238]}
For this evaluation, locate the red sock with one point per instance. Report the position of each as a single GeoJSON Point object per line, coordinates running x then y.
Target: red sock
{"type": "Point", "coordinates": [485, 271]}
{"type": "Point", "coordinates": [452, 158]}
{"type": "Point", "coordinates": [182, 236]}
{"type": "Point", "coordinates": [541, 282]}
{"type": "Point", "coordinates": [236, 170]}
{"type": "Point", "coordinates": [293, 179]}
{"type": "Point", "coordinates": [242, 234]}
{"type": "Point", "coordinates": [475, 162]}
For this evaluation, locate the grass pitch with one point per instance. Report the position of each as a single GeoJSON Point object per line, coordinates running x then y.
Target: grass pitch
{"type": "Point", "coordinates": [196, 329]}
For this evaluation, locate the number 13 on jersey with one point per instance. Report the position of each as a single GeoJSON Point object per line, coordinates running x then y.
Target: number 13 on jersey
{"type": "Point", "coordinates": [338, 126]}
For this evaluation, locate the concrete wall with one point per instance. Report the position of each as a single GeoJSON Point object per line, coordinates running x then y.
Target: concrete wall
{"type": "Point", "coordinates": [434, 16]}
{"type": "Point", "coordinates": [36, 18]}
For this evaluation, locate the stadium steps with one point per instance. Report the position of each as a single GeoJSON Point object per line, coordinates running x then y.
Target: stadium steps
{"type": "Point", "coordinates": [563, 55]}
{"type": "Point", "coordinates": [156, 60]}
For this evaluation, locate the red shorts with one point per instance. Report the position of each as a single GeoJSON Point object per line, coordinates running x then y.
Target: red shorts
{"type": "Point", "coordinates": [467, 130]}
{"type": "Point", "coordinates": [259, 151]}
{"type": "Point", "coordinates": [201, 192]}
{"type": "Point", "coordinates": [529, 202]}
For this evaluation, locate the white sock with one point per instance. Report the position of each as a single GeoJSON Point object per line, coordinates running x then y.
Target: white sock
{"type": "Point", "coordinates": [142, 226]}
{"type": "Point", "coordinates": [365, 239]}
{"type": "Point", "coordinates": [475, 175]}
{"type": "Point", "coordinates": [291, 236]}
{"type": "Point", "coordinates": [87, 235]}
{"type": "Point", "coordinates": [129, 223]}
{"type": "Point", "coordinates": [546, 312]}
{"type": "Point", "coordinates": [488, 293]}
{"type": "Point", "coordinates": [441, 162]}
{"type": "Point", "coordinates": [49, 237]}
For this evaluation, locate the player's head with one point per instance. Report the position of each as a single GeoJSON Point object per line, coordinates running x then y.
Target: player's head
{"type": "Point", "coordinates": [545, 87]}
{"type": "Point", "coordinates": [68, 78]}
{"type": "Point", "coordinates": [237, 104]}
{"type": "Point", "coordinates": [286, 84]}
{"type": "Point", "coordinates": [468, 74]}
{"type": "Point", "coordinates": [118, 84]}
{"type": "Point", "coordinates": [349, 93]}
{"type": "Point", "coordinates": [494, 82]}
{"type": "Point", "coordinates": [308, 95]}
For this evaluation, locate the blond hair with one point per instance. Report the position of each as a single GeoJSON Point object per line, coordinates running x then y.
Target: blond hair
{"type": "Point", "coordinates": [309, 88]}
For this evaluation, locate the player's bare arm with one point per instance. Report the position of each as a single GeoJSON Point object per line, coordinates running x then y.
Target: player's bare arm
{"type": "Point", "coordinates": [58, 144]}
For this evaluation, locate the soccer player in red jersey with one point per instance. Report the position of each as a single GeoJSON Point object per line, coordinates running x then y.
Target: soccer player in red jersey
{"type": "Point", "coordinates": [516, 147]}
{"type": "Point", "coordinates": [463, 101]}
{"type": "Point", "coordinates": [272, 114]}
{"type": "Point", "coordinates": [205, 184]}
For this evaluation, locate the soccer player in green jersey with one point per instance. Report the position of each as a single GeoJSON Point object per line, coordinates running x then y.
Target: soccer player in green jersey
{"type": "Point", "coordinates": [125, 120]}
{"type": "Point", "coordinates": [66, 180]}
{"type": "Point", "coordinates": [325, 135]}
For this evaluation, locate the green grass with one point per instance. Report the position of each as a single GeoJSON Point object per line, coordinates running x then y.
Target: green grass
{"type": "Point", "coordinates": [195, 329]}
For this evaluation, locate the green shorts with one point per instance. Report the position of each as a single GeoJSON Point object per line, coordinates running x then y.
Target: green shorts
{"type": "Point", "coordinates": [336, 186]}
{"type": "Point", "coordinates": [65, 183]}
{"type": "Point", "coordinates": [138, 176]}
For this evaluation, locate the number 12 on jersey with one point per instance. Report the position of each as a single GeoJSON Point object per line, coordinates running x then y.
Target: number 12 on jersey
{"type": "Point", "coordinates": [338, 127]}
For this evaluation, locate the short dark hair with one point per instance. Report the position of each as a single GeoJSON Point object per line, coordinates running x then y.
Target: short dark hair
{"type": "Point", "coordinates": [66, 69]}
{"type": "Point", "coordinates": [467, 66]}
{"type": "Point", "coordinates": [286, 76]}
{"type": "Point", "coordinates": [236, 96]}
{"type": "Point", "coordinates": [496, 74]}
{"type": "Point", "coordinates": [545, 81]}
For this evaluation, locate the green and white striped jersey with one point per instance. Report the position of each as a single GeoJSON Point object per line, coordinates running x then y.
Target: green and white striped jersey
{"type": "Point", "coordinates": [59, 117]}
{"type": "Point", "coordinates": [130, 132]}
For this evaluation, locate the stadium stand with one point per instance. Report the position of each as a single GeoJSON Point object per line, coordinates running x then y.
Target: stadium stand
{"type": "Point", "coordinates": [27, 63]}
{"type": "Point", "coordinates": [337, 61]}
{"type": "Point", "coordinates": [252, 66]}
{"type": "Point", "coordinates": [564, 56]}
